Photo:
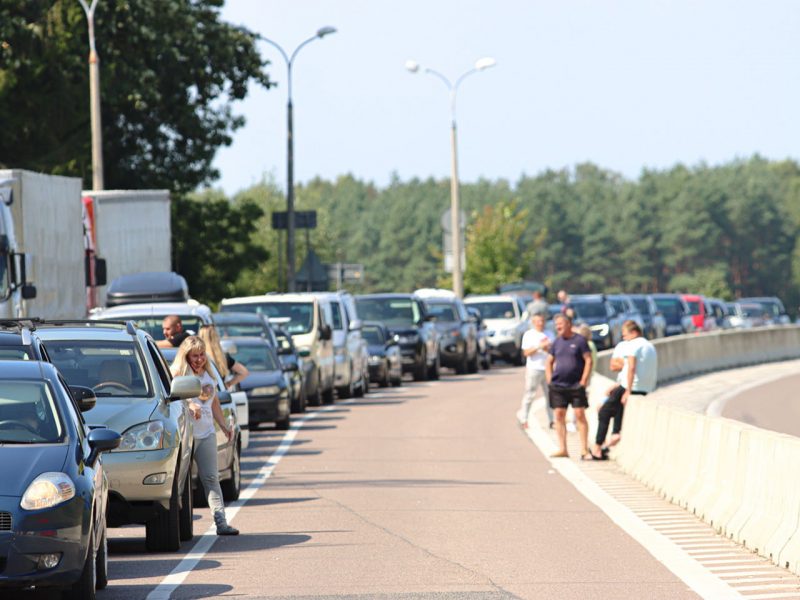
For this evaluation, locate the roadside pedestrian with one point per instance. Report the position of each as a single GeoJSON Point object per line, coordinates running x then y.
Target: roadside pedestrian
{"type": "Point", "coordinates": [192, 360]}
{"type": "Point", "coordinates": [586, 332]}
{"type": "Point", "coordinates": [535, 346]}
{"type": "Point", "coordinates": [638, 376]}
{"type": "Point", "coordinates": [563, 297]}
{"type": "Point", "coordinates": [174, 334]}
{"type": "Point", "coordinates": [567, 371]}
{"type": "Point", "coordinates": [232, 370]}
{"type": "Point", "coordinates": [537, 306]}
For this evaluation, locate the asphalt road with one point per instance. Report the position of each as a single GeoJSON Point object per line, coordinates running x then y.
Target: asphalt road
{"type": "Point", "coordinates": [775, 405]}
{"type": "Point", "coordinates": [426, 491]}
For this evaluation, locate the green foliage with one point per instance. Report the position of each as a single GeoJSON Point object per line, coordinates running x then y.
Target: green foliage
{"type": "Point", "coordinates": [169, 70]}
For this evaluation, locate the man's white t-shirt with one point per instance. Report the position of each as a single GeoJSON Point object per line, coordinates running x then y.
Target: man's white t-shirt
{"type": "Point", "coordinates": [619, 352]}
{"type": "Point", "coordinates": [644, 377]}
{"type": "Point", "coordinates": [532, 339]}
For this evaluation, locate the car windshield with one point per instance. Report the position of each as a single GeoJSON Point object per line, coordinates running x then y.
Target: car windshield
{"type": "Point", "coordinates": [641, 305]}
{"type": "Point", "coordinates": [752, 310]}
{"type": "Point", "coordinates": [694, 307]}
{"type": "Point", "coordinates": [373, 335]}
{"type": "Point", "coordinates": [300, 314]}
{"type": "Point", "coordinates": [152, 325]}
{"type": "Point", "coordinates": [255, 358]}
{"type": "Point", "coordinates": [391, 311]}
{"type": "Point", "coordinates": [111, 369]}
{"type": "Point", "coordinates": [494, 310]}
{"type": "Point", "coordinates": [28, 414]}
{"type": "Point", "coordinates": [443, 311]}
{"type": "Point", "coordinates": [240, 330]}
{"type": "Point", "coordinates": [589, 310]}
{"type": "Point", "coordinates": [770, 308]}
{"type": "Point", "coordinates": [669, 307]}
{"type": "Point", "coordinates": [15, 353]}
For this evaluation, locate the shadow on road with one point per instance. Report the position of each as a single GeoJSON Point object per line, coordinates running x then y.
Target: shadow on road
{"type": "Point", "coordinates": [274, 501]}
{"type": "Point", "coordinates": [260, 541]}
{"type": "Point", "coordinates": [134, 568]}
{"type": "Point", "coordinates": [184, 591]}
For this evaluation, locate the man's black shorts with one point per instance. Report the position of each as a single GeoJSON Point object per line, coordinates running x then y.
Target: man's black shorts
{"type": "Point", "coordinates": [561, 397]}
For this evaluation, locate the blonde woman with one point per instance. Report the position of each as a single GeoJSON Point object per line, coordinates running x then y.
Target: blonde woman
{"type": "Point", "coordinates": [192, 360]}
{"type": "Point", "coordinates": [232, 371]}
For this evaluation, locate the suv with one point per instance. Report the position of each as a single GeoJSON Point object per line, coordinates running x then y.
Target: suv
{"type": "Point", "coordinates": [458, 341]}
{"type": "Point", "coordinates": [626, 309]}
{"type": "Point", "coordinates": [349, 349]}
{"type": "Point", "coordinates": [149, 474]}
{"type": "Point", "coordinates": [600, 316]}
{"type": "Point", "coordinates": [506, 322]}
{"type": "Point", "coordinates": [674, 310]}
{"type": "Point", "coordinates": [773, 309]}
{"type": "Point", "coordinates": [150, 316]}
{"type": "Point", "coordinates": [655, 326]}
{"type": "Point", "coordinates": [406, 317]}
{"type": "Point", "coordinates": [309, 322]}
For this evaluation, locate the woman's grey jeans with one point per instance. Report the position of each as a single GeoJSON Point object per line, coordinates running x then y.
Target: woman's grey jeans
{"type": "Point", "coordinates": [205, 455]}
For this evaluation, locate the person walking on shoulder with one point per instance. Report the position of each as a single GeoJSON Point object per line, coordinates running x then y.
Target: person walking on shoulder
{"type": "Point", "coordinates": [535, 346]}
{"type": "Point", "coordinates": [567, 370]}
{"type": "Point", "coordinates": [638, 361]}
{"type": "Point", "coordinates": [192, 360]}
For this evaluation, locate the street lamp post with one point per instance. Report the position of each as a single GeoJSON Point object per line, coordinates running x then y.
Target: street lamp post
{"type": "Point", "coordinates": [455, 210]}
{"type": "Point", "coordinates": [290, 221]}
{"type": "Point", "coordinates": [94, 100]}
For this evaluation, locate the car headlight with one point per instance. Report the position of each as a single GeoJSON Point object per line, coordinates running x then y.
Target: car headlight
{"type": "Point", "coordinates": [602, 330]}
{"type": "Point", "coordinates": [509, 332]}
{"type": "Point", "coordinates": [374, 360]}
{"type": "Point", "coordinates": [48, 490]}
{"type": "Point", "coordinates": [144, 436]}
{"type": "Point", "coordinates": [407, 339]}
{"type": "Point", "coordinates": [267, 390]}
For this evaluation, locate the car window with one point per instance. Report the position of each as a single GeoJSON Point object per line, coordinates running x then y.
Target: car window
{"type": "Point", "coordinates": [152, 325]}
{"type": "Point", "coordinates": [16, 353]}
{"type": "Point", "coordinates": [373, 335]}
{"type": "Point", "coordinates": [391, 311]}
{"type": "Point", "coordinates": [29, 414]}
{"type": "Point", "coordinates": [694, 307]}
{"type": "Point", "coordinates": [256, 358]}
{"type": "Point", "coordinates": [443, 311]}
{"type": "Point", "coordinates": [336, 313]}
{"type": "Point", "coordinates": [589, 310]}
{"type": "Point", "coordinates": [494, 310]}
{"type": "Point", "coordinates": [300, 314]}
{"type": "Point", "coordinates": [240, 330]}
{"type": "Point", "coordinates": [162, 370]}
{"type": "Point", "coordinates": [670, 308]}
{"type": "Point", "coordinates": [74, 412]}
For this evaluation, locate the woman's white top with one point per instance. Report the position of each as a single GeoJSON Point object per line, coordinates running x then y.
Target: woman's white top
{"type": "Point", "coordinates": [204, 426]}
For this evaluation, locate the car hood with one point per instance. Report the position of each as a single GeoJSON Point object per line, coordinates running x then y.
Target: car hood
{"type": "Point", "coordinates": [445, 326]}
{"type": "Point", "coordinates": [376, 350]}
{"type": "Point", "coordinates": [22, 464]}
{"type": "Point", "coordinates": [120, 414]}
{"type": "Point", "coordinates": [594, 320]}
{"type": "Point", "coordinates": [500, 324]}
{"type": "Point", "coordinates": [407, 331]}
{"type": "Point", "coordinates": [262, 378]}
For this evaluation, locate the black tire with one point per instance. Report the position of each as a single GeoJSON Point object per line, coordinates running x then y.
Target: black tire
{"type": "Point", "coordinates": [298, 402]}
{"type": "Point", "coordinates": [520, 358]}
{"type": "Point", "coordinates": [473, 366]}
{"type": "Point", "coordinates": [316, 398]}
{"type": "Point", "coordinates": [231, 488]}
{"type": "Point", "coordinates": [345, 392]}
{"type": "Point", "coordinates": [436, 369]}
{"type": "Point", "coordinates": [101, 566]}
{"type": "Point", "coordinates": [385, 381]}
{"type": "Point", "coordinates": [187, 511]}
{"type": "Point", "coordinates": [327, 396]}
{"type": "Point", "coordinates": [84, 588]}
{"type": "Point", "coordinates": [283, 424]}
{"type": "Point", "coordinates": [163, 532]}
{"type": "Point", "coordinates": [421, 368]}
{"type": "Point", "coordinates": [486, 363]}
{"type": "Point", "coordinates": [302, 401]}
{"type": "Point", "coordinates": [397, 382]}
{"type": "Point", "coordinates": [461, 366]}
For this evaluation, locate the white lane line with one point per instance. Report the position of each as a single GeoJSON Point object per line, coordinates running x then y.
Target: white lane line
{"type": "Point", "coordinates": [176, 577]}
{"type": "Point", "coordinates": [665, 550]}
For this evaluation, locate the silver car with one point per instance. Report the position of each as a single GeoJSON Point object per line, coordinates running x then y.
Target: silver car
{"type": "Point", "coordinates": [149, 474]}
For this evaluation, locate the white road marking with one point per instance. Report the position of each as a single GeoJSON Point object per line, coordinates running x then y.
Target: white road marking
{"type": "Point", "coordinates": [164, 590]}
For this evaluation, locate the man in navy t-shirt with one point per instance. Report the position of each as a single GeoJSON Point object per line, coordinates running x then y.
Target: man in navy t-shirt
{"type": "Point", "coordinates": [568, 369]}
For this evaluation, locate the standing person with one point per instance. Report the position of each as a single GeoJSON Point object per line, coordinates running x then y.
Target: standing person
{"type": "Point", "coordinates": [567, 371]}
{"type": "Point", "coordinates": [537, 306]}
{"type": "Point", "coordinates": [232, 371]}
{"type": "Point", "coordinates": [563, 297]}
{"type": "Point", "coordinates": [535, 346]}
{"type": "Point", "coordinates": [172, 326]}
{"type": "Point", "coordinates": [192, 360]}
{"type": "Point", "coordinates": [586, 332]}
{"type": "Point", "coordinates": [638, 377]}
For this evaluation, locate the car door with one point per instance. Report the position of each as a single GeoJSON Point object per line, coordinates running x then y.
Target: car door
{"type": "Point", "coordinates": [429, 332]}
{"type": "Point", "coordinates": [326, 361]}
{"type": "Point", "coordinates": [225, 447]}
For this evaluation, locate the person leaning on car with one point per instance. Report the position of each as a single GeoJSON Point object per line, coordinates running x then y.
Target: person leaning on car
{"type": "Point", "coordinates": [174, 334]}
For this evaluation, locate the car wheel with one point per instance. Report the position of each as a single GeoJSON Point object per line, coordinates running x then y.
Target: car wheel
{"type": "Point", "coordinates": [421, 368]}
{"type": "Point", "coordinates": [187, 511]}
{"type": "Point", "coordinates": [385, 381]}
{"type": "Point", "coordinates": [365, 382]}
{"type": "Point", "coordinates": [520, 358]}
{"type": "Point", "coordinates": [473, 366]}
{"type": "Point", "coordinates": [298, 402]}
{"type": "Point", "coordinates": [316, 398]}
{"type": "Point", "coordinates": [327, 396]}
{"type": "Point", "coordinates": [397, 382]}
{"type": "Point", "coordinates": [435, 371]}
{"type": "Point", "coordinates": [461, 366]}
{"type": "Point", "coordinates": [84, 588]}
{"type": "Point", "coordinates": [283, 424]}
{"type": "Point", "coordinates": [163, 532]}
{"type": "Point", "coordinates": [231, 488]}
{"type": "Point", "coordinates": [101, 568]}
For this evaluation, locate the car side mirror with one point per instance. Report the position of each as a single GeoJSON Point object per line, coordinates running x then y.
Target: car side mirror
{"type": "Point", "coordinates": [28, 291]}
{"type": "Point", "coordinates": [84, 397]}
{"type": "Point", "coordinates": [101, 440]}
{"type": "Point", "coordinates": [288, 367]}
{"type": "Point", "coordinates": [184, 387]}
{"type": "Point", "coordinates": [355, 325]}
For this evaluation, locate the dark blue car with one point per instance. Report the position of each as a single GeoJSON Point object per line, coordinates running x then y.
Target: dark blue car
{"type": "Point", "coordinates": [53, 492]}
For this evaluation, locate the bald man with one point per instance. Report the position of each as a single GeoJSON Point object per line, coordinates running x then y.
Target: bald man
{"type": "Point", "coordinates": [173, 332]}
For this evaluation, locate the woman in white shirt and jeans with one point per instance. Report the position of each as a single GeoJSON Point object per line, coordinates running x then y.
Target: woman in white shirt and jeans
{"type": "Point", "coordinates": [192, 360]}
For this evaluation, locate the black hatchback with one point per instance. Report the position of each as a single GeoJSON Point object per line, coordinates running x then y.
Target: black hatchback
{"type": "Point", "coordinates": [54, 493]}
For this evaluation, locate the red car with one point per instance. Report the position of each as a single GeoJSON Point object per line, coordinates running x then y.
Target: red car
{"type": "Point", "coordinates": [697, 311]}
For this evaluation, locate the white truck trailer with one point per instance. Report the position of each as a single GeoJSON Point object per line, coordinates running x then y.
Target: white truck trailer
{"type": "Point", "coordinates": [131, 232]}
{"type": "Point", "coordinates": [41, 243]}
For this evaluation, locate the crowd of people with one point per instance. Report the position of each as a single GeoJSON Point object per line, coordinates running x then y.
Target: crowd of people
{"type": "Point", "coordinates": [560, 366]}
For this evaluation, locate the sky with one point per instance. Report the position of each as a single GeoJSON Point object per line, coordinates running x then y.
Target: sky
{"type": "Point", "coordinates": [625, 84]}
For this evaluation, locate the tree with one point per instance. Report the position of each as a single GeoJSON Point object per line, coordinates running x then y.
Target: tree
{"type": "Point", "coordinates": [169, 71]}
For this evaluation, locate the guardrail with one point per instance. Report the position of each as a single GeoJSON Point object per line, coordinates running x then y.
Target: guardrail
{"type": "Point", "coordinates": [738, 478]}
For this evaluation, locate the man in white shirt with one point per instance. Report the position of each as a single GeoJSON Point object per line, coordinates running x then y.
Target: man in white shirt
{"type": "Point", "coordinates": [535, 346]}
{"type": "Point", "coordinates": [638, 364]}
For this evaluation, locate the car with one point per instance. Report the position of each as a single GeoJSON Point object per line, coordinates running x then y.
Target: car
{"type": "Point", "coordinates": [385, 360]}
{"type": "Point", "coordinates": [145, 288]}
{"type": "Point", "coordinates": [458, 333]}
{"type": "Point", "coordinates": [506, 322]}
{"type": "Point", "coordinates": [696, 314]}
{"type": "Point", "coordinates": [296, 370]}
{"type": "Point", "coordinates": [266, 387]}
{"type": "Point", "coordinates": [626, 309]}
{"type": "Point", "coordinates": [483, 338]}
{"type": "Point", "coordinates": [149, 317]}
{"type": "Point", "coordinates": [149, 474]}
{"type": "Point", "coordinates": [773, 307]}
{"type": "Point", "coordinates": [405, 316]}
{"type": "Point", "coordinates": [674, 309]}
{"type": "Point", "coordinates": [244, 324]}
{"type": "Point", "coordinates": [655, 325]}
{"type": "Point", "coordinates": [310, 323]}
{"type": "Point", "coordinates": [54, 491]}
{"type": "Point", "coordinates": [598, 313]}
{"type": "Point", "coordinates": [351, 369]}
{"type": "Point", "coordinates": [746, 315]}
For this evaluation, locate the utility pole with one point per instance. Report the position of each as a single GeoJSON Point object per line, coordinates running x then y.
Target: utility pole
{"type": "Point", "coordinates": [94, 100]}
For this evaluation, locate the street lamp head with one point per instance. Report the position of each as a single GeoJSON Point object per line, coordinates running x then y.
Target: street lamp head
{"type": "Point", "coordinates": [323, 31]}
{"type": "Point", "coordinates": [485, 63]}
{"type": "Point", "coordinates": [412, 66]}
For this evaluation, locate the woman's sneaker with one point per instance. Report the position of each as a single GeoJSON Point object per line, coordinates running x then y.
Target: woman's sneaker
{"type": "Point", "coordinates": [226, 529]}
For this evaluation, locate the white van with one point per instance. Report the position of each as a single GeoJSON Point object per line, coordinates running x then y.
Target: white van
{"type": "Point", "coordinates": [351, 356]}
{"type": "Point", "coordinates": [311, 327]}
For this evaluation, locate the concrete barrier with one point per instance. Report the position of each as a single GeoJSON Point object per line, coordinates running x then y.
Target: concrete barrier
{"type": "Point", "coordinates": [736, 477]}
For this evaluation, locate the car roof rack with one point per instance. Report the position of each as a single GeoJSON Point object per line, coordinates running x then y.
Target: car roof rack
{"type": "Point", "coordinates": [129, 325]}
